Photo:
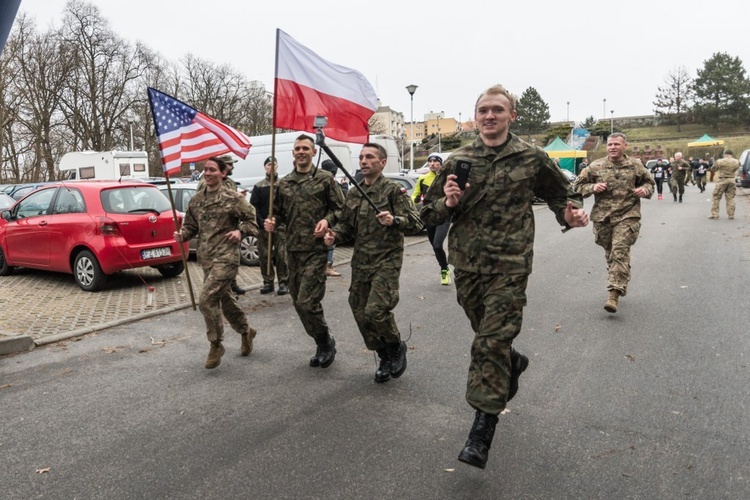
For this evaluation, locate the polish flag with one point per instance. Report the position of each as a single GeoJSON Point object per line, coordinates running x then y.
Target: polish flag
{"type": "Point", "coordinates": [307, 86]}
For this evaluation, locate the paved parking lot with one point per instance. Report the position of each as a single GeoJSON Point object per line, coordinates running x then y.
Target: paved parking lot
{"type": "Point", "coordinates": [49, 306]}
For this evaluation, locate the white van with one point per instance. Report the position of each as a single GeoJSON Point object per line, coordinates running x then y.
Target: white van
{"type": "Point", "coordinates": [104, 165]}
{"type": "Point", "coordinates": [346, 152]}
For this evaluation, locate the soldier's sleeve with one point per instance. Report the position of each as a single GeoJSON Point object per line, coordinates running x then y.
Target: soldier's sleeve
{"type": "Point", "coordinates": [434, 211]}
{"type": "Point", "coordinates": [246, 213]}
{"type": "Point", "coordinates": [335, 202]}
{"type": "Point", "coordinates": [406, 212]}
{"type": "Point", "coordinates": [584, 183]}
{"type": "Point", "coordinates": [189, 225]}
{"type": "Point", "coordinates": [645, 180]}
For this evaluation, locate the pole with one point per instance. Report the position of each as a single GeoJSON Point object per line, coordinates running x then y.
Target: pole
{"type": "Point", "coordinates": [320, 140]}
{"type": "Point", "coordinates": [131, 139]}
{"type": "Point", "coordinates": [411, 89]}
{"type": "Point", "coordinates": [604, 109]}
{"type": "Point", "coordinates": [612, 121]}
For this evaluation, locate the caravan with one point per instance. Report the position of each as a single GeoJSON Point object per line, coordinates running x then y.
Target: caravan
{"type": "Point", "coordinates": [346, 152]}
{"type": "Point", "coordinates": [104, 165]}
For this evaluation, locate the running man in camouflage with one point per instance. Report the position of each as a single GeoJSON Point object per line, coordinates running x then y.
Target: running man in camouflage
{"type": "Point", "coordinates": [218, 216]}
{"type": "Point", "coordinates": [377, 258]}
{"type": "Point", "coordinates": [308, 201]}
{"type": "Point", "coordinates": [491, 245]}
{"type": "Point", "coordinates": [618, 182]}
{"type": "Point", "coordinates": [726, 170]}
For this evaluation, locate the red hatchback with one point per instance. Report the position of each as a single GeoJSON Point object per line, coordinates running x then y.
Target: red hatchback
{"type": "Point", "coordinates": [90, 229]}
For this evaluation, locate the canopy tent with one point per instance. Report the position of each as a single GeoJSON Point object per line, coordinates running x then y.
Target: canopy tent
{"type": "Point", "coordinates": [706, 140]}
{"type": "Point", "coordinates": [567, 156]}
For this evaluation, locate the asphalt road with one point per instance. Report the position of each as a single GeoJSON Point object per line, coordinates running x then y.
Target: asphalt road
{"type": "Point", "coordinates": [650, 402]}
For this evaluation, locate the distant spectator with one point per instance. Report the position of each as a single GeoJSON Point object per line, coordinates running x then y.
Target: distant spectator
{"type": "Point", "coordinates": [331, 167]}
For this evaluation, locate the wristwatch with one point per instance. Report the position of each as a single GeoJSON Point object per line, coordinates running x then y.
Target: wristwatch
{"type": "Point", "coordinates": [396, 221]}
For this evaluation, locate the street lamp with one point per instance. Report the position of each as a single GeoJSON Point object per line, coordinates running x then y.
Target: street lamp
{"type": "Point", "coordinates": [567, 113]}
{"type": "Point", "coordinates": [411, 89]}
{"type": "Point", "coordinates": [440, 148]}
{"type": "Point", "coordinates": [611, 121]}
{"type": "Point", "coordinates": [130, 117]}
{"type": "Point", "coordinates": [604, 109]}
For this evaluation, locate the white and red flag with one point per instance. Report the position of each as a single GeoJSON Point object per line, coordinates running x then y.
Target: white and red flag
{"type": "Point", "coordinates": [187, 135]}
{"type": "Point", "coordinates": [307, 86]}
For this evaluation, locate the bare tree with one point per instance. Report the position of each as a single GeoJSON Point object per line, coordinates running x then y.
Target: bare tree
{"type": "Point", "coordinates": [674, 98]}
{"type": "Point", "coordinates": [106, 70]}
{"type": "Point", "coordinates": [376, 125]}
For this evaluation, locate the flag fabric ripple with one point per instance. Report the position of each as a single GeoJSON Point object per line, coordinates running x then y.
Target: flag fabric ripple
{"type": "Point", "coordinates": [187, 135]}
{"type": "Point", "coordinates": [308, 86]}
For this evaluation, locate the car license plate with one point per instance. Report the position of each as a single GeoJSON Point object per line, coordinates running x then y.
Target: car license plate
{"type": "Point", "coordinates": [155, 253]}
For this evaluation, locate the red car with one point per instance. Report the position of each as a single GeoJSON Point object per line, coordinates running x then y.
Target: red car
{"type": "Point", "coordinates": [91, 229]}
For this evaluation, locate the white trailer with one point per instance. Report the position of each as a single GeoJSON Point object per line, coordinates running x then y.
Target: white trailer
{"type": "Point", "coordinates": [104, 165]}
{"type": "Point", "coordinates": [346, 152]}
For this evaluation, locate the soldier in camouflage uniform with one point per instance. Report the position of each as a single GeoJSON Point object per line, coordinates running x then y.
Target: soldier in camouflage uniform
{"type": "Point", "coordinates": [491, 245]}
{"type": "Point", "coordinates": [229, 184]}
{"type": "Point", "coordinates": [260, 199]}
{"type": "Point", "coordinates": [618, 182]}
{"type": "Point", "coordinates": [680, 171]}
{"type": "Point", "coordinates": [377, 258]}
{"type": "Point", "coordinates": [309, 202]}
{"type": "Point", "coordinates": [218, 217]}
{"type": "Point", "coordinates": [726, 170]}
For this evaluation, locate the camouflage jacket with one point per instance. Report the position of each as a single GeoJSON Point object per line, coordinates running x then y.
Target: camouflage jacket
{"type": "Point", "coordinates": [618, 202]}
{"type": "Point", "coordinates": [376, 245]}
{"type": "Point", "coordinates": [676, 172]}
{"type": "Point", "coordinates": [493, 223]}
{"type": "Point", "coordinates": [210, 215]}
{"type": "Point", "coordinates": [301, 201]}
{"type": "Point", "coordinates": [726, 168]}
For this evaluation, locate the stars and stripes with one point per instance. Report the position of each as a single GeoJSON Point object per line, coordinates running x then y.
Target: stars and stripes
{"type": "Point", "coordinates": [187, 135]}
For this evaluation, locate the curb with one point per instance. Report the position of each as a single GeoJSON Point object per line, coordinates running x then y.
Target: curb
{"type": "Point", "coordinates": [23, 343]}
{"type": "Point", "coordinates": [13, 345]}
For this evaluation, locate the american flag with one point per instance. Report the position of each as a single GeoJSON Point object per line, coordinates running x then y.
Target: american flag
{"type": "Point", "coordinates": [187, 135]}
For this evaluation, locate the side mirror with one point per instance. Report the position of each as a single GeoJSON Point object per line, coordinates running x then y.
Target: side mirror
{"type": "Point", "coordinates": [5, 214]}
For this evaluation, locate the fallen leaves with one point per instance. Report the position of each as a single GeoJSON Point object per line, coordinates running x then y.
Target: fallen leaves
{"type": "Point", "coordinates": [45, 470]}
{"type": "Point", "coordinates": [162, 342]}
{"type": "Point", "coordinates": [557, 328]}
{"type": "Point", "coordinates": [630, 358]}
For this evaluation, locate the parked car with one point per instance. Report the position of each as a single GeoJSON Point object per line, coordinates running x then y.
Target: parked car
{"type": "Point", "coordinates": [182, 194]}
{"type": "Point", "coordinates": [743, 173]}
{"type": "Point", "coordinates": [6, 201]}
{"type": "Point", "coordinates": [407, 182]}
{"type": "Point", "coordinates": [91, 229]}
{"type": "Point", "coordinates": [20, 190]}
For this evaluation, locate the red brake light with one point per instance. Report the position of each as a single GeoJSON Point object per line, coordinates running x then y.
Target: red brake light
{"type": "Point", "coordinates": [108, 227]}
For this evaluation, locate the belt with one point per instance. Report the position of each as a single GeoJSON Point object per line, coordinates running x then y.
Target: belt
{"type": "Point", "coordinates": [725, 178]}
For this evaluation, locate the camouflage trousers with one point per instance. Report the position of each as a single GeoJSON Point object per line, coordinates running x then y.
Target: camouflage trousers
{"type": "Point", "coordinates": [278, 256]}
{"type": "Point", "coordinates": [723, 187]}
{"type": "Point", "coordinates": [307, 286]}
{"type": "Point", "coordinates": [616, 239]}
{"type": "Point", "coordinates": [677, 185]}
{"type": "Point", "coordinates": [373, 295]}
{"type": "Point", "coordinates": [216, 298]}
{"type": "Point", "coordinates": [494, 304]}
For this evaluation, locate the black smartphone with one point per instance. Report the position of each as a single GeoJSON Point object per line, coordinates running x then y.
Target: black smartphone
{"type": "Point", "coordinates": [462, 169]}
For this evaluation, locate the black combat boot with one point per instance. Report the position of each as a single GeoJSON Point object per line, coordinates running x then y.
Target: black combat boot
{"type": "Point", "coordinates": [237, 288]}
{"type": "Point", "coordinates": [397, 353]}
{"type": "Point", "coordinates": [480, 439]}
{"type": "Point", "coordinates": [383, 373]}
{"type": "Point", "coordinates": [283, 289]}
{"type": "Point", "coordinates": [325, 353]}
{"type": "Point", "coordinates": [675, 196]}
{"type": "Point", "coordinates": [680, 198]}
{"type": "Point", "coordinates": [518, 364]}
{"type": "Point", "coordinates": [266, 288]}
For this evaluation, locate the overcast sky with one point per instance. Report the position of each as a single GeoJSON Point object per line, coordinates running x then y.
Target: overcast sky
{"type": "Point", "coordinates": [578, 52]}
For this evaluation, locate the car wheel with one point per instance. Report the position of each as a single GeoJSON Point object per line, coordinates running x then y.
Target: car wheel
{"type": "Point", "coordinates": [171, 270]}
{"type": "Point", "coordinates": [5, 269]}
{"type": "Point", "coordinates": [88, 273]}
{"type": "Point", "coordinates": [249, 251]}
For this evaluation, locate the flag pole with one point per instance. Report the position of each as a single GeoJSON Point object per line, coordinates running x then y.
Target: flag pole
{"type": "Point", "coordinates": [269, 254]}
{"type": "Point", "coordinates": [174, 213]}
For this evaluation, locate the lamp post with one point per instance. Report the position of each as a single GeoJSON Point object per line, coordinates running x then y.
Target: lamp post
{"type": "Point", "coordinates": [567, 113]}
{"type": "Point", "coordinates": [440, 147]}
{"type": "Point", "coordinates": [604, 109]}
{"type": "Point", "coordinates": [611, 121]}
{"type": "Point", "coordinates": [130, 117]}
{"type": "Point", "coordinates": [411, 89]}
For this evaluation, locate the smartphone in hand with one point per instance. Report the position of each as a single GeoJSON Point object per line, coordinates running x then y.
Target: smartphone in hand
{"type": "Point", "coordinates": [462, 169]}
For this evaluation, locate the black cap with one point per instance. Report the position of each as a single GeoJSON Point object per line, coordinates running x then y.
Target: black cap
{"type": "Point", "coordinates": [329, 166]}
{"type": "Point", "coordinates": [269, 160]}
